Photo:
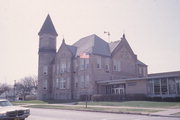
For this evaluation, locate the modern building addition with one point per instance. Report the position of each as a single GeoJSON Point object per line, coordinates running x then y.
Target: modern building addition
{"type": "Point", "coordinates": [92, 66]}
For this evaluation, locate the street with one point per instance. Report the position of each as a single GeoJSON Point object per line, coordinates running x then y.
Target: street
{"type": "Point", "coordinates": [53, 114]}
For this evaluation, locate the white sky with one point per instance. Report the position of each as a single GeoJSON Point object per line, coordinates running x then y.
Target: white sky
{"type": "Point", "coordinates": [152, 28]}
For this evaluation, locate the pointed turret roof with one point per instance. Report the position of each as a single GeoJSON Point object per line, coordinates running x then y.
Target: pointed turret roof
{"type": "Point", "coordinates": [48, 27]}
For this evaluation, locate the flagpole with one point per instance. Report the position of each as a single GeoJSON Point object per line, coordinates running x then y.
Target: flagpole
{"type": "Point", "coordinates": [84, 56]}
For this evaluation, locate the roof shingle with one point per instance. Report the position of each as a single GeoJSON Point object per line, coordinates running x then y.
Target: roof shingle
{"type": "Point", "coordinates": [93, 45]}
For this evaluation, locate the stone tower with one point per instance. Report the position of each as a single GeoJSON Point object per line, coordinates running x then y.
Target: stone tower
{"type": "Point", "coordinates": [47, 53]}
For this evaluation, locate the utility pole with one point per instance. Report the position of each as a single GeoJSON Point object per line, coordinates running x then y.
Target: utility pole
{"type": "Point", "coordinates": [14, 90]}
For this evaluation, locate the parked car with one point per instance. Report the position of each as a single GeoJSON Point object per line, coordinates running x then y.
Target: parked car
{"type": "Point", "coordinates": [10, 112]}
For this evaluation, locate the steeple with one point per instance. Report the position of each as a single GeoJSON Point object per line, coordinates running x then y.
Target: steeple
{"type": "Point", "coordinates": [48, 27]}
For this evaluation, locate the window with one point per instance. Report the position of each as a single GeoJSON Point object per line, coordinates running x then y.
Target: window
{"type": "Point", "coordinates": [157, 86]}
{"type": "Point", "coordinates": [98, 61]}
{"type": "Point", "coordinates": [140, 71]}
{"type": "Point", "coordinates": [68, 66]}
{"type": "Point", "coordinates": [164, 89]}
{"type": "Point", "coordinates": [68, 83]}
{"type": "Point", "coordinates": [76, 82]}
{"type": "Point", "coordinates": [75, 65]}
{"type": "Point", "coordinates": [45, 70]}
{"type": "Point", "coordinates": [172, 86]}
{"type": "Point", "coordinates": [150, 87]}
{"type": "Point", "coordinates": [86, 63]}
{"type": "Point", "coordinates": [178, 85]}
{"type": "Point", "coordinates": [119, 66]}
{"type": "Point", "coordinates": [107, 64]}
{"type": "Point", "coordinates": [82, 81]}
{"type": "Point", "coordinates": [87, 81]}
{"type": "Point", "coordinates": [63, 67]}
{"type": "Point", "coordinates": [45, 84]}
{"type": "Point", "coordinates": [107, 67]}
{"type": "Point", "coordinates": [144, 71]}
{"type": "Point", "coordinates": [81, 64]}
{"type": "Point", "coordinates": [57, 69]}
{"type": "Point", "coordinates": [57, 83]}
{"type": "Point", "coordinates": [116, 65]}
{"type": "Point", "coordinates": [62, 83]}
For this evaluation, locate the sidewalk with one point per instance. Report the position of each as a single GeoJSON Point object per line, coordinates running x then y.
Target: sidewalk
{"type": "Point", "coordinates": [163, 112]}
{"type": "Point", "coordinates": [167, 112]}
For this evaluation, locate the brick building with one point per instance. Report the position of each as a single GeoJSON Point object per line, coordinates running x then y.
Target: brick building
{"type": "Point", "coordinates": [109, 69]}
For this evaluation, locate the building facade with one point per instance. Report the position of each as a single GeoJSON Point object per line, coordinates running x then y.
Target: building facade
{"type": "Point", "coordinates": [110, 69]}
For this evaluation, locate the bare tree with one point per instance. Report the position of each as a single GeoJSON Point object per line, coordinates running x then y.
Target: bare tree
{"type": "Point", "coordinates": [4, 88]}
{"type": "Point", "coordinates": [26, 85]}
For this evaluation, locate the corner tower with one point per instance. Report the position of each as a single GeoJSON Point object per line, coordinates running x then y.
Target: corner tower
{"type": "Point", "coordinates": [47, 53]}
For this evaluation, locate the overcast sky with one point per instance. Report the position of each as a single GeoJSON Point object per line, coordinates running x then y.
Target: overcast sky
{"type": "Point", "coordinates": [152, 28]}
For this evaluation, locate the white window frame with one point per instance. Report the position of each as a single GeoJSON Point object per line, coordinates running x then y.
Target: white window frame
{"type": "Point", "coordinates": [117, 65]}
{"type": "Point", "coordinates": [62, 83]}
{"type": "Point", "coordinates": [63, 67]}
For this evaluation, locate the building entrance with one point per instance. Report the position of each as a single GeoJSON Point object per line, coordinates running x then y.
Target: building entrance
{"type": "Point", "coordinates": [118, 89]}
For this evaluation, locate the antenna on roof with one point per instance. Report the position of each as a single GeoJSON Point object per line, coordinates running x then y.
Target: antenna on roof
{"type": "Point", "coordinates": [108, 33]}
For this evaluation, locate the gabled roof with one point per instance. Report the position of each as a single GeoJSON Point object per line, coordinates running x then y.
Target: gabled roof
{"type": "Point", "coordinates": [122, 43]}
{"type": "Point", "coordinates": [48, 27]}
{"type": "Point", "coordinates": [140, 63]}
{"type": "Point", "coordinates": [73, 49]}
{"type": "Point", "coordinates": [93, 45]}
{"type": "Point", "coordinates": [113, 45]}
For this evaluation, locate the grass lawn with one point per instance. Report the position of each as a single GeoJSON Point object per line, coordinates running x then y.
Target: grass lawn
{"type": "Point", "coordinates": [148, 104]}
{"type": "Point", "coordinates": [30, 102]}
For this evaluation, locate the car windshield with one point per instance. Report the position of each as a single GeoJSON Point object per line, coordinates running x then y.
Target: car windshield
{"type": "Point", "coordinates": [5, 103]}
